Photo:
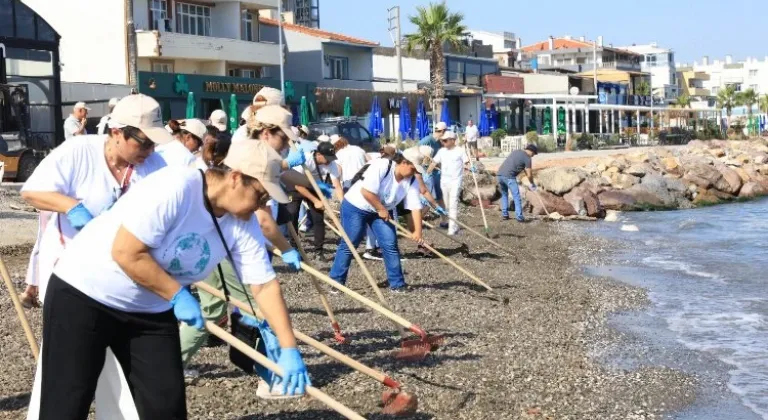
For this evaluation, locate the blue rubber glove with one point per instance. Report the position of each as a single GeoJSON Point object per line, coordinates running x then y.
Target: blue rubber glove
{"type": "Point", "coordinates": [533, 187]}
{"type": "Point", "coordinates": [79, 216]}
{"type": "Point", "coordinates": [473, 169]}
{"type": "Point", "coordinates": [187, 309]}
{"type": "Point", "coordinates": [295, 378]}
{"type": "Point", "coordinates": [295, 158]}
{"type": "Point", "coordinates": [292, 258]}
{"type": "Point", "coordinates": [441, 211]}
{"type": "Point", "coordinates": [425, 202]}
{"type": "Point", "coordinates": [326, 189]}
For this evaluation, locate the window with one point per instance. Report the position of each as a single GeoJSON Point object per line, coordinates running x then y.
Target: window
{"type": "Point", "coordinates": [581, 60]}
{"type": "Point", "coordinates": [339, 67]}
{"type": "Point", "coordinates": [25, 22]}
{"type": "Point", "coordinates": [162, 66]}
{"type": "Point", "coordinates": [158, 14]}
{"type": "Point", "coordinates": [6, 18]}
{"type": "Point", "coordinates": [715, 90]}
{"type": "Point", "coordinates": [193, 20]}
{"type": "Point", "coordinates": [753, 73]}
{"type": "Point", "coordinates": [246, 73]}
{"type": "Point", "coordinates": [246, 26]}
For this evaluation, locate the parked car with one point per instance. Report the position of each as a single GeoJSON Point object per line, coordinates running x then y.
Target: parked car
{"type": "Point", "coordinates": [353, 131]}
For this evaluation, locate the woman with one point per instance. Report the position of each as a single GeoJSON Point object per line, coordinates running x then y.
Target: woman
{"type": "Point", "coordinates": [189, 139]}
{"type": "Point", "coordinates": [370, 202]}
{"type": "Point", "coordinates": [122, 283]}
{"type": "Point", "coordinates": [76, 182]}
{"type": "Point", "coordinates": [214, 149]}
{"type": "Point", "coordinates": [350, 158]}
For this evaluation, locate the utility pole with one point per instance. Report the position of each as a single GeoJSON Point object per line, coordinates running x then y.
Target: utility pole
{"type": "Point", "coordinates": [132, 49]}
{"type": "Point", "coordinates": [280, 43]}
{"type": "Point", "coordinates": [594, 65]}
{"type": "Point", "coordinates": [394, 26]}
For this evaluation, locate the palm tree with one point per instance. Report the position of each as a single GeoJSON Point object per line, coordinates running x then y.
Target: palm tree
{"type": "Point", "coordinates": [436, 26]}
{"type": "Point", "coordinates": [643, 88]}
{"type": "Point", "coordinates": [683, 101]}
{"type": "Point", "coordinates": [748, 98]}
{"type": "Point", "coordinates": [727, 99]}
{"type": "Point", "coordinates": [763, 106]}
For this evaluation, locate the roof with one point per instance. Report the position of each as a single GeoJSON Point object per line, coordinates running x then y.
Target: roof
{"type": "Point", "coordinates": [318, 33]}
{"type": "Point", "coordinates": [567, 44]}
{"type": "Point", "coordinates": [646, 49]}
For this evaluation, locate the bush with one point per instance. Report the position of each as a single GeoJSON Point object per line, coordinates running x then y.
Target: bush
{"type": "Point", "coordinates": [492, 152]}
{"type": "Point", "coordinates": [546, 144]}
{"type": "Point", "coordinates": [497, 136]}
{"type": "Point", "coordinates": [586, 142]}
{"type": "Point", "coordinates": [531, 137]}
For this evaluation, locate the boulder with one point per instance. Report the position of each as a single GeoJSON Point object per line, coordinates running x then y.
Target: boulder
{"type": "Point", "coordinates": [743, 174]}
{"type": "Point", "coordinates": [596, 183]}
{"type": "Point", "coordinates": [705, 197]}
{"type": "Point", "coordinates": [612, 215]}
{"type": "Point", "coordinates": [730, 181]}
{"type": "Point", "coordinates": [612, 170]}
{"type": "Point", "coordinates": [702, 174]}
{"type": "Point", "coordinates": [616, 200]}
{"type": "Point", "coordinates": [583, 198]}
{"type": "Point", "coordinates": [623, 181]}
{"type": "Point", "coordinates": [752, 190]}
{"type": "Point", "coordinates": [487, 184]}
{"type": "Point", "coordinates": [636, 170]}
{"type": "Point", "coordinates": [717, 152]}
{"type": "Point", "coordinates": [645, 197]}
{"type": "Point", "coordinates": [553, 203]}
{"type": "Point", "coordinates": [560, 180]}
{"type": "Point", "coordinates": [657, 185]}
{"type": "Point", "coordinates": [760, 158]}
{"type": "Point", "coordinates": [639, 157]}
{"type": "Point", "coordinates": [670, 164]}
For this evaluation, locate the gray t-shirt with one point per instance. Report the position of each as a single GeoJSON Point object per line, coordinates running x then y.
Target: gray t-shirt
{"type": "Point", "coordinates": [515, 163]}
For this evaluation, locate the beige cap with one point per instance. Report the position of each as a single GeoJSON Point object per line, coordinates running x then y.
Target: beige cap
{"type": "Point", "coordinates": [113, 102]}
{"type": "Point", "coordinates": [218, 119]}
{"type": "Point", "coordinates": [194, 126]}
{"type": "Point", "coordinates": [246, 114]}
{"type": "Point", "coordinates": [304, 129]}
{"type": "Point", "coordinates": [449, 135]}
{"type": "Point", "coordinates": [279, 116]}
{"type": "Point", "coordinates": [81, 105]}
{"type": "Point", "coordinates": [335, 138]}
{"type": "Point", "coordinates": [441, 126]}
{"type": "Point", "coordinates": [413, 155]}
{"type": "Point", "coordinates": [426, 151]}
{"type": "Point", "coordinates": [271, 95]}
{"type": "Point", "coordinates": [256, 159]}
{"type": "Point", "coordinates": [323, 138]}
{"type": "Point", "coordinates": [142, 112]}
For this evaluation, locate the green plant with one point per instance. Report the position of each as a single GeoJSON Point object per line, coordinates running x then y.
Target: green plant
{"type": "Point", "coordinates": [763, 106]}
{"type": "Point", "coordinates": [586, 142]}
{"type": "Point", "coordinates": [643, 88]}
{"type": "Point", "coordinates": [614, 139]}
{"type": "Point", "coordinates": [492, 152]}
{"type": "Point", "coordinates": [531, 137]}
{"type": "Point", "coordinates": [748, 98]}
{"type": "Point", "coordinates": [497, 136]}
{"type": "Point", "coordinates": [727, 99]}
{"type": "Point", "coordinates": [546, 144]}
{"type": "Point", "coordinates": [436, 26]}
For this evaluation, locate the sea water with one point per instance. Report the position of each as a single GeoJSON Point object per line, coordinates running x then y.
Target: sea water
{"type": "Point", "coordinates": [706, 271]}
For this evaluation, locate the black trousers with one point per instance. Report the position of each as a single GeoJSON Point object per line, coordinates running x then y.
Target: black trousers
{"type": "Point", "coordinates": [77, 331]}
{"type": "Point", "coordinates": [292, 215]}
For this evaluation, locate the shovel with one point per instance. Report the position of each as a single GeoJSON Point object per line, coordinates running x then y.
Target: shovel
{"type": "Point", "coordinates": [262, 360]}
{"type": "Point", "coordinates": [19, 310]}
{"type": "Point", "coordinates": [396, 401]}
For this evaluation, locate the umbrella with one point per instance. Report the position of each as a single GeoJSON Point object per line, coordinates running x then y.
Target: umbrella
{"type": "Point", "coordinates": [482, 125]}
{"type": "Point", "coordinates": [234, 116]}
{"type": "Point", "coordinates": [347, 107]}
{"type": "Point", "coordinates": [493, 120]}
{"type": "Point", "coordinates": [546, 126]}
{"type": "Point", "coordinates": [422, 120]}
{"type": "Point", "coordinates": [445, 116]}
{"type": "Point", "coordinates": [190, 105]}
{"type": "Point", "coordinates": [304, 111]}
{"type": "Point", "coordinates": [532, 122]}
{"type": "Point", "coordinates": [222, 105]}
{"type": "Point", "coordinates": [295, 121]}
{"type": "Point", "coordinates": [405, 119]}
{"type": "Point", "coordinates": [312, 112]}
{"type": "Point", "coordinates": [375, 126]}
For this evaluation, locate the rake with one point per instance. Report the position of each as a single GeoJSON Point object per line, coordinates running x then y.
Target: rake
{"type": "Point", "coordinates": [396, 401]}
{"type": "Point", "coordinates": [479, 200]}
{"type": "Point", "coordinates": [480, 235]}
{"type": "Point", "coordinates": [19, 309]}
{"type": "Point", "coordinates": [464, 249]}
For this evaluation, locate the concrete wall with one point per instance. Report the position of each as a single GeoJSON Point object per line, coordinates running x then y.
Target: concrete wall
{"type": "Point", "coordinates": [545, 83]}
{"type": "Point", "coordinates": [305, 57]}
{"type": "Point", "coordinates": [360, 64]}
{"type": "Point", "coordinates": [92, 38]}
{"type": "Point", "coordinates": [225, 20]}
{"type": "Point", "coordinates": [415, 70]}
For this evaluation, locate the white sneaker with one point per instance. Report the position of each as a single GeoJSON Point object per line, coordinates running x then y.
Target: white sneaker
{"type": "Point", "coordinates": [453, 233]}
{"type": "Point", "coordinates": [191, 373]}
{"type": "Point", "coordinates": [303, 229]}
{"type": "Point", "coordinates": [263, 392]}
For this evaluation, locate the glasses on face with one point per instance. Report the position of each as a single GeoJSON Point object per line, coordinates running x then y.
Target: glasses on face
{"type": "Point", "coordinates": [144, 144]}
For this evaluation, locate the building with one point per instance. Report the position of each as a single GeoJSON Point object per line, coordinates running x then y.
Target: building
{"type": "Point", "coordinates": [704, 80]}
{"type": "Point", "coordinates": [660, 63]}
{"type": "Point", "coordinates": [298, 12]}
{"type": "Point", "coordinates": [505, 46]}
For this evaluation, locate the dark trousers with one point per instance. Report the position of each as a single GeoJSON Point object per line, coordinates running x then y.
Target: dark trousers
{"type": "Point", "coordinates": [318, 226]}
{"type": "Point", "coordinates": [77, 331]}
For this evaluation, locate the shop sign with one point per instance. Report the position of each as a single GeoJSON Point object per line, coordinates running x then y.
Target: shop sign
{"type": "Point", "coordinates": [504, 84]}
{"type": "Point", "coordinates": [227, 87]}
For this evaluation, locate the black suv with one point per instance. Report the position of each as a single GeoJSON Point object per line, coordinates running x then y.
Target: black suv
{"type": "Point", "coordinates": [353, 131]}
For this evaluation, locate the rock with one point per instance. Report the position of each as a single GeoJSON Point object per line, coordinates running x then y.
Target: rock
{"type": "Point", "coordinates": [729, 182]}
{"type": "Point", "coordinates": [701, 174]}
{"type": "Point", "coordinates": [743, 159]}
{"type": "Point", "coordinates": [752, 190]}
{"type": "Point", "coordinates": [613, 170]}
{"type": "Point", "coordinates": [585, 201]}
{"type": "Point", "coordinates": [705, 197]}
{"type": "Point", "coordinates": [605, 180]}
{"type": "Point", "coordinates": [595, 183]}
{"type": "Point", "coordinates": [552, 202]}
{"type": "Point", "coordinates": [760, 159]}
{"type": "Point", "coordinates": [639, 157]}
{"type": "Point", "coordinates": [487, 184]}
{"type": "Point", "coordinates": [616, 200]}
{"type": "Point", "coordinates": [645, 197]}
{"type": "Point", "coordinates": [670, 164]}
{"type": "Point", "coordinates": [612, 215]}
{"type": "Point", "coordinates": [657, 185]}
{"type": "Point", "coordinates": [636, 170]}
{"type": "Point", "coordinates": [623, 181]}
{"type": "Point", "coordinates": [560, 180]}
{"type": "Point", "coordinates": [555, 216]}
{"type": "Point", "coordinates": [743, 174]}
{"type": "Point", "coordinates": [717, 152]}
{"type": "Point", "coordinates": [675, 185]}
{"type": "Point", "coordinates": [575, 200]}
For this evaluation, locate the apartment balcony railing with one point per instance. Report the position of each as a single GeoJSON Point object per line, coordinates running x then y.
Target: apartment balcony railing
{"type": "Point", "coordinates": [620, 65]}
{"type": "Point", "coordinates": [206, 48]}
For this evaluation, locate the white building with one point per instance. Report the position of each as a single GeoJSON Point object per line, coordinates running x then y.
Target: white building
{"type": "Point", "coordinates": [660, 63]}
{"type": "Point", "coordinates": [750, 73]}
{"type": "Point", "coordinates": [506, 46]}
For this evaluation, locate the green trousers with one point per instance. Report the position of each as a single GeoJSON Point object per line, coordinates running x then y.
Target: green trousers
{"type": "Point", "coordinates": [214, 309]}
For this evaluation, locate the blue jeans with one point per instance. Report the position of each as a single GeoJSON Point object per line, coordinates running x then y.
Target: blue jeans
{"type": "Point", "coordinates": [355, 222]}
{"type": "Point", "coordinates": [435, 189]}
{"type": "Point", "coordinates": [506, 185]}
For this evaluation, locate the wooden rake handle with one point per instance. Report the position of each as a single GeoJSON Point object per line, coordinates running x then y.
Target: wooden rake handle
{"type": "Point", "coordinates": [19, 310]}
{"type": "Point", "coordinates": [262, 360]}
{"type": "Point", "coordinates": [328, 351]}
{"type": "Point", "coordinates": [485, 238]}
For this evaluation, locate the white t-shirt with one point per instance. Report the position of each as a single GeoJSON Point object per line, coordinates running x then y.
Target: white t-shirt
{"type": "Point", "coordinates": [331, 169]}
{"type": "Point", "coordinates": [175, 154]}
{"type": "Point", "coordinates": [102, 126]}
{"type": "Point", "coordinates": [200, 163]}
{"type": "Point", "coordinates": [451, 162]}
{"type": "Point", "coordinates": [389, 191]}
{"type": "Point", "coordinates": [72, 125]}
{"type": "Point", "coordinates": [472, 133]}
{"type": "Point", "coordinates": [78, 169]}
{"type": "Point", "coordinates": [351, 159]}
{"type": "Point", "coordinates": [168, 214]}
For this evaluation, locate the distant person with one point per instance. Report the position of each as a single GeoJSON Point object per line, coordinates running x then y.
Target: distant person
{"type": "Point", "coordinates": [350, 158]}
{"type": "Point", "coordinates": [101, 128]}
{"type": "Point", "coordinates": [452, 161]}
{"type": "Point", "coordinates": [266, 96]}
{"type": "Point", "coordinates": [472, 134]}
{"type": "Point", "coordinates": [219, 120]}
{"type": "Point", "coordinates": [74, 125]}
{"type": "Point", "coordinates": [189, 135]}
{"type": "Point", "coordinates": [518, 161]}
{"type": "Point", "coordinates": [433, 179]}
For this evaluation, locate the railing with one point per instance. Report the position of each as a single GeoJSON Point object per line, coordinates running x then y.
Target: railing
{"type": "Point", "coordinates": [619, 65]}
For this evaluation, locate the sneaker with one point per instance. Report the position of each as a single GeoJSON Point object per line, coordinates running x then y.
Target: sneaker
{"type": "Point", "coordinates": [444, 225]}
{"type": "Point", "coordinates": [504, 217]}
{"type": "Point", "coordinates": [276, 393]}
{"type": "Point", "coordinates": [400, 290]}
{"type": "Point", "coordinates": [373, 254]}
{"type": "Point", "coordinates": [453, 233]}
{"type": "Point", "coordinates": [29, 300]}
{"type": "Point", "coordinates": [191, 373]}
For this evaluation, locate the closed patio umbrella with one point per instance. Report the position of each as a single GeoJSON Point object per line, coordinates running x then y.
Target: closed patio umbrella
{"type": "Point", "coordinates": [445, 116]}
{"type": "Point", "coordinates": [347, 107]}
{"type": "Point", "coordinates": [482, 125]}
{"type": "Point", "coordinates": [375, 126]}
{"type": "Point", "coordinates": [422, 120]}
{"type": "Point", "coordinates": [405, 119]}
{"type": "Point", "coordinates": [493, 118]}
{"type": "Point", "coordinates": [190, 106]}
{"type": "Point", "coordinates": [233, 114]}
{"type": "Point", "coordinates": [304, 111]}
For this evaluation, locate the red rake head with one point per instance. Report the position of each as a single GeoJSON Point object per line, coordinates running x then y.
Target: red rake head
{"type": "Point", "coordinates": [398, 403]}
{"type": "Point", "coordinates": [413, 353]}
{"type": "Point", "coordinates": [337, 334]}
{"type": "Point", "coordinates": [431, 342]}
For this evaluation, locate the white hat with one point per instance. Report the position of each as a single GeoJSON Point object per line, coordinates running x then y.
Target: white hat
{"type": "Point", "coordinates": [219, 119]}
{"type": "Point", "coordinates": [413, 155]}
{"type": "Point", "coordinates": [271, 95]}
{"type": "Point", "coordinates": [113, 102]}
{"type": "Point", "coordinates": [323, 137]}
{"type": "Point", "coordinates": [81, 105]}
{"type": "Point", "coordinates": [304, 129]}
{"type": "Point", "coordinates": [142, 112]}
{"type": "Point", "coordinates": [441, 126]}
{"type": "Point", "coordinates": [279, 116]}
{"type": "Point", "coordinates": [194, 126]}
{"type": "Point", "coordinates": [426, 151]}
{"type": "Point", "coordinates": [258, 160]}
{"type": "Point", "coordinates": [295, 131]}
{"type": "Point", "coordinates": [335, 138]}
{"type": "Point", "coordinates": [448, 135]}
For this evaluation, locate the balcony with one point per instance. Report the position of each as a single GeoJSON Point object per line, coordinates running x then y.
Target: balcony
{"type": "Point", "coordinates": [697, 91]}
{"type": "Point", "coordinates": [620, 65]}
{"type": "Point", "coordinates": [154, 44]}
{"type": "Point", "coordinates": [254, 4]}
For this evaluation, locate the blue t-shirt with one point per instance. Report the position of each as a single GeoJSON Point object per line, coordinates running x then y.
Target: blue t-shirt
{"type": "Point", "coordinates": [431, 142]}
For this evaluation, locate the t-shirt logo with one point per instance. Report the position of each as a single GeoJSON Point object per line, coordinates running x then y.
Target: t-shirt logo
{"type": "Point", "coordinates": [188, 255]}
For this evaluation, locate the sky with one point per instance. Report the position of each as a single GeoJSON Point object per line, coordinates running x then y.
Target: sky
{"type": "Point", "coordinates": [691, 28]}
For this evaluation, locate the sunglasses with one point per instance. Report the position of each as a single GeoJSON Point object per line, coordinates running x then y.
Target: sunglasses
{"type": "Point", "coordinates": [144, 144]}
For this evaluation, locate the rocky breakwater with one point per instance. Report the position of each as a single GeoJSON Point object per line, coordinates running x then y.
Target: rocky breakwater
{"type": "Point", "coordinates": [702, 173]}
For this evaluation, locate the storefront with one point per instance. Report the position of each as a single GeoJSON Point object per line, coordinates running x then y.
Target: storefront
{"type": "Point", "coordinates": [214, 92]}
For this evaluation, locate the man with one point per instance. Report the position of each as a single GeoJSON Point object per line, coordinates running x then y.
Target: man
{"type": "Point", "coordinates": [266, 96]}
{"type": "Point", "coordinates": [472, 134]}
{"type": "Point", "coordinates": [218, 119]}
{"type": "Point", "coordinates": [74, 125]}
{"type": "Point", "coordinates": [433, 179]}
{"type": "Point", "coordinates": [452, 161]}
{"type": "Point", "coordinates": [102, 126]}
{"type": "Point", "coordinates": [515, 163]}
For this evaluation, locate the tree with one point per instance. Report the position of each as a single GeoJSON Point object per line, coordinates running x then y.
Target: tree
{"type": "Point", "coordinates": [683, 101]}
{"type": "Point", "coordinates": [726, 99]}
{"type": "Point", "coordinates": [748, 98]}
{"type": "Point", "coordinates": [763, 106]}
{"type": "Point", "coordinates": [436, 26]}
{"type": "Point", "coordinates": [643, 88]}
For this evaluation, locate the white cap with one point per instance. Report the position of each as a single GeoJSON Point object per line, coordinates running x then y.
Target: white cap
{"type": "Point", "coordinates": [426, 151]}
{"type": "Point", "coordinates": [323, 138]}
{"type": "Point", "coordinates": [142, 112]}
{"type": "Point", "coordinates": [81, 105]}
{"type": "Point", "coordinates": [258, 160]}
{"type": "Point", "coordinates": [441, 126]}
{"type": "Point", "coordinates": [448, 135]}
{"type": "Point", "coordinates": [335, 138]}
{"type": "Point", "coordinates": [277, 116]}
{"type": "Point", "coordinates": [219, 119]}
{"type": "Point", "coordinates": [194, 126]}
{"type": "Point", "coordinates": [413, 155]}
{"type": "Point", "coordinates": [246, 114]}
{"type": "Point", "coordinates": [271, 95]}
{"type": "Point", "coordinates": [113, 102]}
